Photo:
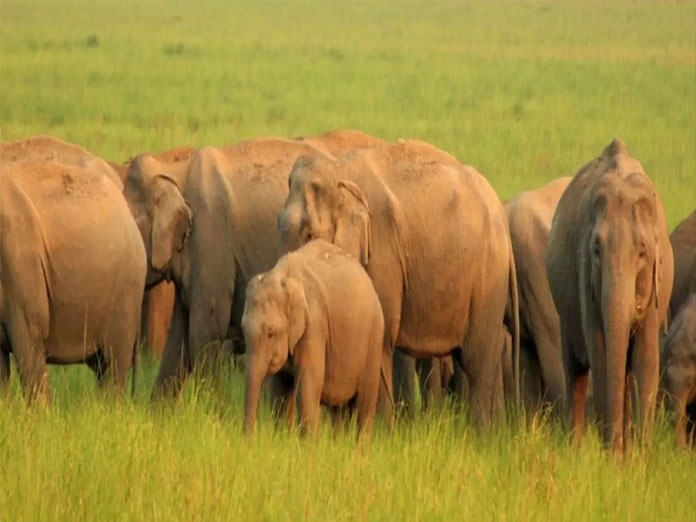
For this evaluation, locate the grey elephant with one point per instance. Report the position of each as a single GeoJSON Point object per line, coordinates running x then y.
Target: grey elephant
{"type": "Point", "coordinates": [434, 241]}
{"type": "Point", "coordinates": [209, 225]}
{"type": "Point", "coordinates": [678, 363]}
{"type": "Point", "coordinates": [72, 265]}
{"type": "Point", "coordinates": [530, 214]}
{"type": "Point", "coordinates": [609, 264]}
{"type": "Point", "coordinates": [317, 316]}
{"type": "Point", "coordinates": [683, 241]}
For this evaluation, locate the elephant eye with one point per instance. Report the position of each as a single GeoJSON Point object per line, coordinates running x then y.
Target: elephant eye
{"type": "Point", "coordinates": [309, 237]}
{"type": "Point", "coordinates": [271, 334]}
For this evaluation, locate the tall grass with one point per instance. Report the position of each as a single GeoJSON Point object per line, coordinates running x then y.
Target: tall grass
{"type": "Point", "coordinates": [88, 459]}
{"type": "Point", "coordinates": [524, 91]}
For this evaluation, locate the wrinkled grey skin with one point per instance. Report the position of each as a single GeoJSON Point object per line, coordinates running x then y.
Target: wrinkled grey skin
{"type": "Point", "coordinates": [72, 265]}
{"type": "Point", "coordinates": [678, 363]}
{"type": "Point", "coordinates": [609, 264]}
{"type": "Point", "coordinates": [683, 240]}
{"type": "Point", "coordinates": [530, 214]}
{"type": "Point", "coordinates": [430, 231]}
{"type": "Point", "coordinates": [209, 225]}
{"type": "Point", "coordinates": [316, 315]}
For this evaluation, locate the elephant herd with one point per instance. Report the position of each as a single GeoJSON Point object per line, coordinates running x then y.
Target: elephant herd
{"type": "Point", "coordinates": [347, 269]}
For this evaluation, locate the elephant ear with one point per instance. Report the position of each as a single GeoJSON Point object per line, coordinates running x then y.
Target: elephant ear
{"type": "Point", "coordinates": [656, 275]}
{"type": "Point", "coordinates": [297, 312]}
{"type": "Point", "coordinates": [353, 227]}
{"type": "Point", "coordinates": [171, 223]}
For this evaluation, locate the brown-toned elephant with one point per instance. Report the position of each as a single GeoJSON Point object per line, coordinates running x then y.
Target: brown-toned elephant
{"type": "Point", "coordinates": [609, 264]}
{"type": "Point", "coordinates": [678, 363]}
{"type": "Point", "coordinates": [158, 308]}
{"type": "Point", "coordinates": [541, 367]}
{"type": "Point", "coordinates": [210, 225]}
{"type": "Point", "coordinates": [72, 265]}
{"type": "Point", "coordinates": [434, 241]}
{"type": "Point", "coordinates": [158, 301]}
{"type": "Point", "coordinates": [317, 316]}
{"type": "Point", "coordinates": [683, 240]}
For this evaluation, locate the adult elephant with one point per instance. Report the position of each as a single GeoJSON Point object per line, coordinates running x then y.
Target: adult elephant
{"type": "Point", "coordinates": [530, 214]}
{"type": "Point", "coordinates": [433, 237]}
{"type": "Point", "coordinates": [72, 265]}
{"type": "Point", "coordinates": [158, 301]}
{"type": "Point", "coordinates": [209, 225]}
{"type": "Point", "coordinates": [609, 264]}
{"type": "Point", "coordinates": [683, 241]}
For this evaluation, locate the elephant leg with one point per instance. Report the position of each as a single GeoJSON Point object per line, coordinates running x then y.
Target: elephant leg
{"type": "Point", "coordinates": [547, 340]}
{"type": "Point", "coordinates": [176, 365]}
{"type": "Point", "coordinates": [97, 364]}
{"type": "Point", "coordinates": [459, 383]}
{"type": "Point", "coordinates": [4, 368]}
{"type": "Point", "coordinates": [119, 359]}
{"type": "Point", "coordinates": [208, 326]}
{"type": "Point", "coordinates": [308, 391]}
{"type": "Point", "coordinates": [385, 397]}
{"type": "Point", "coordinates": [366, 402]}
{"type": "Point", "coordinates": [30, 356]}
{"type": "Point", "coordinates": [481, 356]}
{"type": "Point", "coordinates": [404, 381]}
{"type": "Point", "coordinates": [340, 416]}
{"type": "Point", "coordinates": [430, 381]}
{"type": "Point", "coordinates": [282, 404]}
{"type": "Point", "coordinates": [645, 367]}
{"type": "Point", "coordinates": [576, 381]}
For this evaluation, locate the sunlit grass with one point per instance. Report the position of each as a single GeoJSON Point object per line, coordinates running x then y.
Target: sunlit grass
{"type": "Point", "coordinates": [88, 459]}
{"type": "Point", "coordinates": [526, 92]}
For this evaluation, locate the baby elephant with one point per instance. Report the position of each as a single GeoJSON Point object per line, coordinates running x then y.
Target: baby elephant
{"type": "Point", "coordinates": [679, 370]}
{"type": "Point", "coordinates": [317, 316]}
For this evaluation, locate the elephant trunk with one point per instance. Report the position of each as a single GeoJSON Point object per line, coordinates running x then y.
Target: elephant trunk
{"type": "Point", "coordinates": [617, 304]}
{"type": "Point", "coordinates": [257, 367]}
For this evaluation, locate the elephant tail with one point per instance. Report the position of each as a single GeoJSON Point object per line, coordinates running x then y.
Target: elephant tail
{"type": "Point", "coordinates": [386, 387]}
{"type": "Point", "coordinates": [515, 311]}
{"type": "Point", "coordinates": [134, 364]}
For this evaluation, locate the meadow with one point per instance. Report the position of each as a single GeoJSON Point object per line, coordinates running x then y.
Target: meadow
{"type": "Point", "coordinates": [525, 91]}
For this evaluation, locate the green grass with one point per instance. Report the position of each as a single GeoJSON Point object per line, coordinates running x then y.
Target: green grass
{"type": "Point", "coordinates": [526, 92]}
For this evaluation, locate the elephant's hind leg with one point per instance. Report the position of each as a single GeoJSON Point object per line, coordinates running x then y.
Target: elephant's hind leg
{"type": "Point", "coordinates": [30, 354]}
{"type": "Point", "coordinates": [4, 368]}
{"type": "Point", "coordinates": [366, 401]}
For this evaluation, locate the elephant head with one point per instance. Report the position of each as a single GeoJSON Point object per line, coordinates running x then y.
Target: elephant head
{"type": "Point", "coordinates": [163, 217]}
{"type": "Point", "coordinates": [274, 320]}
{"type": "Point", "coordinates": [322, 205]}
{"type": "Point", "coordinates": [622, 270]}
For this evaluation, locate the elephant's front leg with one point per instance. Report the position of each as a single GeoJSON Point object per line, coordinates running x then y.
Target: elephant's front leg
{"type": "Point", "coordinates": [308, 386]}
{"type": "Point", "coordinates": [175, 366]}
{"type": "Point", "coordinates": [645, 367]}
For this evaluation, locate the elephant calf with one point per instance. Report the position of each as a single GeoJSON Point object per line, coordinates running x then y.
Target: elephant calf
{"type": "Point", "coordinates": [317, 316]}
{"type": "Point", "coordinates": [679, 370]}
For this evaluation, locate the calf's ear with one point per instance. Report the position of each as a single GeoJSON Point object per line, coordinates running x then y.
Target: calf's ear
{"type": "Point", "coordinates": [297, 311]}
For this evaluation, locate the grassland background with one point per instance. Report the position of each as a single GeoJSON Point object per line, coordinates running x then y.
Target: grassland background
{"type": "Point", "coordinates": [526, 92]}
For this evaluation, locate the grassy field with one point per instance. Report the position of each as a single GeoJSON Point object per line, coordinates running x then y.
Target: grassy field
{"type": "Point", "coordinates": [524, 91]}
